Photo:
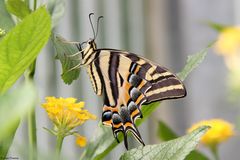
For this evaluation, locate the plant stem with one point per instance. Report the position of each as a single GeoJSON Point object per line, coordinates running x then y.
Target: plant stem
{"type": "Point", "coordinates": [32, 115]}
{"type": "Point", "coordinates": [32, 135]}
{"type": "Point", "coordinates": [35, 5]}
{"type": "Point", "coordinates": [27, 2]}
{"type": "Point", "coordinates": [214, 149]}
{"type": "Point", "coordinates": [60, 138]}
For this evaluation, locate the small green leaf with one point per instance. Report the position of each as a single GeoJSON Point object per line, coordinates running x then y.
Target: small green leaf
{"type": "Point", "coordinates": [164, 132]}
{"type": "Point", "coordinates": [192, 62]}
{"type": "Point", "coordinates": [195, 155]}
{"type": "Point", "coordinates": [56, 8]}
{"type": "Point", "coordinates": [65, 51]}
{"type": "Point", "coordinates": [20, 47]}
{"type": "Point", "coordinates": [14, 106]}
{"type": "Point", "coordinates": [176, 149]}
{"type": "Point", "coordinates": [216, 26]}
{"type": "Point", "coordinates": [100, 145]}
{"type": "Point", "coordinates": [6, 22]}
{"type": "Point", "coordinates": [18, 8]}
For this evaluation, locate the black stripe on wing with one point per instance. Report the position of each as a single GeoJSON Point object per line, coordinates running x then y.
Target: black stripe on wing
{"type": "Point", "coordinates": [112, 71]}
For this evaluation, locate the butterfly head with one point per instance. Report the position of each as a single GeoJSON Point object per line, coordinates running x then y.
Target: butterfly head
{"type": "Point", "coordinates": [87, 50]}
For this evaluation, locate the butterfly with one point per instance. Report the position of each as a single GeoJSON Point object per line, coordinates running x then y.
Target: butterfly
{"type": "Point", "coordinates": [126, 81]}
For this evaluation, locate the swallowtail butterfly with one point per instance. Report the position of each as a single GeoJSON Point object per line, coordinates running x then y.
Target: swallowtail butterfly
{"type": "Point", "coordinates": [126, 81]}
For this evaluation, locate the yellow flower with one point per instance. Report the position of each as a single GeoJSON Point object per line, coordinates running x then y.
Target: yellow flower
{"type": "Point", "coordinates": [228, 41]}
{"type": "Point", "coordinates": [66, 114]}
{"type": "Point", "coordinates": [220, 131]}
{"type": "Point", "coordinates": [81, 140]}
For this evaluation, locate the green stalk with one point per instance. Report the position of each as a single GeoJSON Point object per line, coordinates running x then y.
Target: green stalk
{"type": "Point", "coordinates": [32, 135]}
{"type": "Point", "coordinates": [60, 138]}
{"type": "Point", "coordinates": [35, 5]}
{"type": "Point", "coordinates": [214, 150]}
{"type": "Point", "coordinates": [27, 2]}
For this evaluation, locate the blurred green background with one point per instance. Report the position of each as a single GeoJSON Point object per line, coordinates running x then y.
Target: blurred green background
{"type": "Point", "coordinates": [164, 31]}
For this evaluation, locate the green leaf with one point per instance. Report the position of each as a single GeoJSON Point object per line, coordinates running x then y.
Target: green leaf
{"type": "Point", "coordinates": [192, 62]}
{"type": "Point", "coordinates": [18, 8]}
{"type": "Point", "coordinates": [6, 22]}
{"type": "Point", "coordinates": [216, 26]}
{"type": "Point", "coordinates": [13, 106]}
{"type": "Point", "coordinates": [164, 132]}
{"type": "Point", "coordinates": [195, 155]}
{"type": "Point", "coordinates": [176, 149]}
{"type": "Point", "coordinates": [56, 8]}
{"type": "Point", "coordinates": [65, 51]}
{"type": "Point", "coordinates": [101, 144]}
{"type": "Point", "coordinates": [20, 47]}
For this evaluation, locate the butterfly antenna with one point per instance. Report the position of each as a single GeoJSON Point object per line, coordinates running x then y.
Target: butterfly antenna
{"type": "Point", "coordinates": [99, 18]}
{"type": "Point", "coordinates": [90, 19]}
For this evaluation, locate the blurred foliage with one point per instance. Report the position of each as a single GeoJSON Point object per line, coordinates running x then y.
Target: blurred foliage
{"type": "Point", "coordinates": [14, 106]}
{"type": "Point", "coordinates": [164, 132]}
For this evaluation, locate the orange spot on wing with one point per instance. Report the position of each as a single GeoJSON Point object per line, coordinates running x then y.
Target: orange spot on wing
{"type": "Point", "coordinates": [117, 125]}
{"type": "Point", "coordinates": [113, 109]}
{"type": "Point", "coordinates": [108, 123]}
{"type": "Point", "coordinates": [141, 85]}
{"type": "Point", "coordinates": [125, 95]}
{"type": "Point", "coordinates": [134, 113]}
{"type": "Point", "coordinates": [128, 124]}
{"type": "Point", "coordinates": [139, 99]}
{"type": "Point", "coordinates": [137, 69]}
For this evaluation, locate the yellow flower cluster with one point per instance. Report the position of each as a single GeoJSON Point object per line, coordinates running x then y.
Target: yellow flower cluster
{"type": "Point", "coordinates": [65, 113]}
{"type": "Point", "coordinates": [220, 131]}
{"type": "Point", "coordinates": [228, 41]}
